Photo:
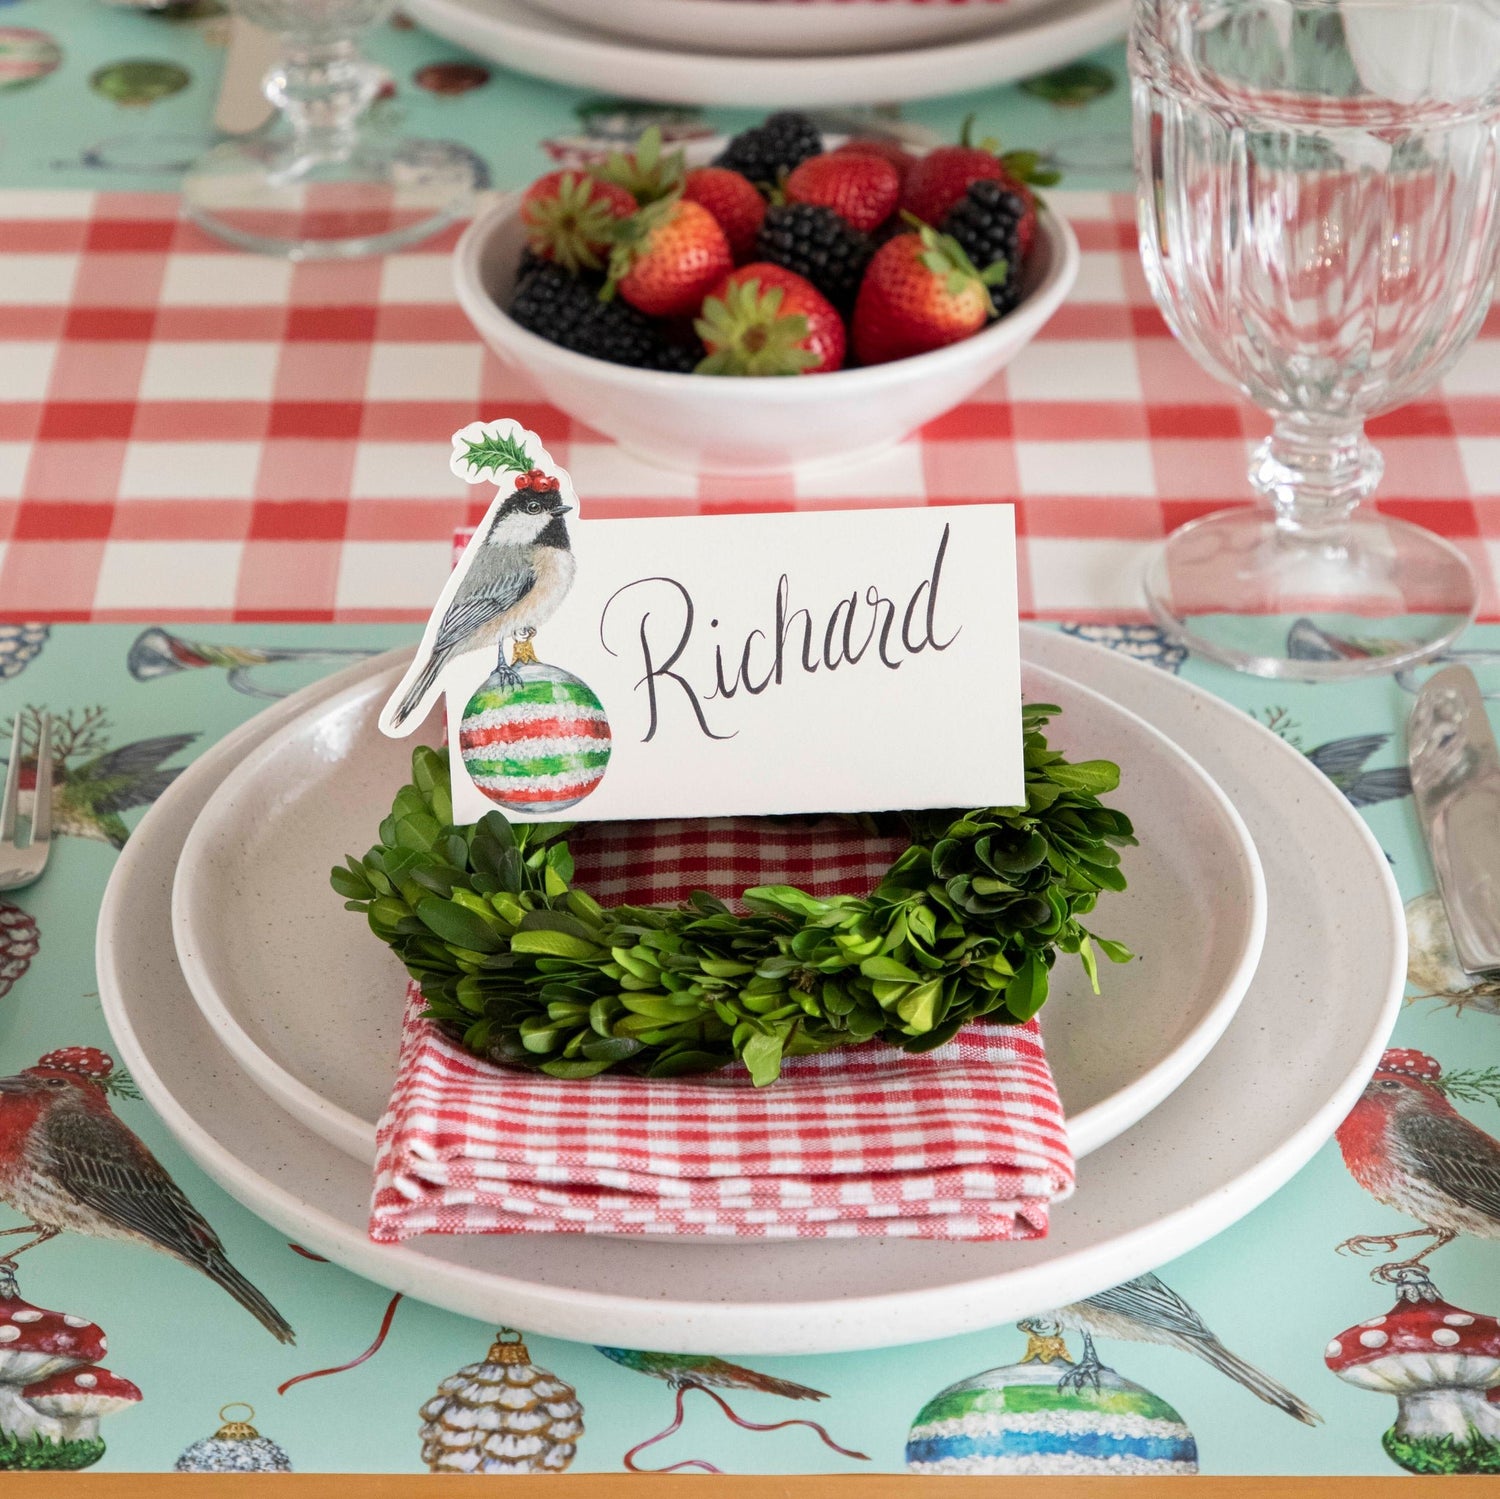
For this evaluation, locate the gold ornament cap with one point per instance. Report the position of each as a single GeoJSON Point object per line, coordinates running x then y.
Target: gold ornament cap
{"type": "Point", "coordinates": [236, 1431]}
{"type": "Point", "coordinates": [507, 1349]}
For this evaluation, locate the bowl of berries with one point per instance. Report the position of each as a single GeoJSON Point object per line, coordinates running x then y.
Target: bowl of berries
{"type": "Point", "coordinates": [654, 298]}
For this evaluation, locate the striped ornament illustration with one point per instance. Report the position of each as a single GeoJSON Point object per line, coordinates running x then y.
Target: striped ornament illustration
{"type": "Point", "coordinates": [534, 738]}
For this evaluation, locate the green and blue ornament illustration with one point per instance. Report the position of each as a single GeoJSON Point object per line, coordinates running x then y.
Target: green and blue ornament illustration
{"type": "Point", "coordinates": [1028, 1417]}
{"type": "Point", "coordinates": [532, 737]}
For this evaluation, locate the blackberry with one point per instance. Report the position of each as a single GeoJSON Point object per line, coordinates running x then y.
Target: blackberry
{"type": "Point", "coordinates": [986, 221]}
{"type": "Point", "coordinates": [815, 242]}
{"type": "Point", "coordinates": [765, 151]}
{"type": "Point", "coordinates": [566, 310]}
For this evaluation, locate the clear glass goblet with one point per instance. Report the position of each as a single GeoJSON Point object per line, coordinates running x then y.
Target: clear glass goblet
{"type": "Point", "coordinates": [1319, 203]}
{"type": "Point", "coordinates": [318, 181]}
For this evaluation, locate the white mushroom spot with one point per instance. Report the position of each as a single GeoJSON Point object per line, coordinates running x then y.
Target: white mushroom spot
{"type": "Point", "coordinates": [103, 1343]}
{"type": "Point", "coordinates": [29, 1316]}
{"type": "Point", "coordinates": [1444, 1337]}
{"type": "Point", "coordinates": [86, 1381]}
{"type": "Point", "coordinates": [1374, 1322]}
{"type": "Point", "coordinates": [1374, 1338]}
{"type": "Point", "coordinates": [1459, 1319]}
{"type": "Point", "coordinates": [10, 1334]}
{"type": "Point", "coordinates": [73, 1321]}
{"type": "Point", "coordinates": [1333, 1349]}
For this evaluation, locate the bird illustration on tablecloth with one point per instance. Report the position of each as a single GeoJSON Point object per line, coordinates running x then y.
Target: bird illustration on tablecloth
{"type": "Point", "coordinates": [682, 1372]}
{"type": "Point", "coordinates": [68, 1163]}
{"type": "Point", "coordinates": [92, 783]}
{"type": "Point", "coordinates": [514, 574]}
{"type": "Point", "coordinates": [1147, 1310]}
{"type": "Point", "coordinates": [1409, 1148]}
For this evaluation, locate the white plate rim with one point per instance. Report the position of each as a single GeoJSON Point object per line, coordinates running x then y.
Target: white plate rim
{"type": "Point", "coordinates": [883, 1320]}
{"type": "Point", "coordinates": [193, 921]}
{"type": "Point", "coordinates": [509, 33]}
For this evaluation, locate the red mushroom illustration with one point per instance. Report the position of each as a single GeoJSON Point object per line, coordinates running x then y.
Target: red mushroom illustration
{"type": "Point", "coordinates": [1441, 1363]}
{"type": "Point", "coordinates": [53, 1392]}
{"type": "Point", "coordinates": [77, 1398]}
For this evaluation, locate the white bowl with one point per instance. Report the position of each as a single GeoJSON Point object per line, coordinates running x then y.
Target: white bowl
{"type": "Point", "coordinates": [792, 28]}
{"type": "Point", "coordinates": [733, 425]}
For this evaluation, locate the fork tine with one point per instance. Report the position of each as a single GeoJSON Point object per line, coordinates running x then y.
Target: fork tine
{"type": "Point", "coordinates": [12, 796]}
{"type": "Point", "coordinates": [41, 804]}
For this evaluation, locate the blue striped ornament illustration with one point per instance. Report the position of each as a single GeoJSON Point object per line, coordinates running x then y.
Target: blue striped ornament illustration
{"type": "Point", "coordinates": [534, 738]}
{"type": "Point", "coordinates": [1017, 1420]}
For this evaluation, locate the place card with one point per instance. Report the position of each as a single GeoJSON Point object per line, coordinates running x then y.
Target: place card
{"type": "Point", "coordinates": [698, 666]}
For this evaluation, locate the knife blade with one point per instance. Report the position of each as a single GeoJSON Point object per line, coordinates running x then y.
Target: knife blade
{"type": "Point", "coordinates": [1455, 777]}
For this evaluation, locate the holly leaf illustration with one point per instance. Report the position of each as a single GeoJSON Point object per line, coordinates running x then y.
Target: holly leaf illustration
{"type": "Point", "coordinates": [495, 454]}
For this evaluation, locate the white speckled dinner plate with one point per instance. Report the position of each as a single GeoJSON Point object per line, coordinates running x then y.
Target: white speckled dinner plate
{"type": "Point", "coordinates": [309, 1003]}
{"type": "Point", "coordinates": [1239, 1126]}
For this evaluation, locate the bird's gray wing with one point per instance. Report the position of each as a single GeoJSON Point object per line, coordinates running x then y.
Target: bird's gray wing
{"type": "Point", "coordinates": [110, 1171]}
{"type": "Point", "coordinates": [1455, 1156]}
{"type": "Point", "coordinates": [1150, 1300]}
{"type": "Point", "coordinates": [481, 597]}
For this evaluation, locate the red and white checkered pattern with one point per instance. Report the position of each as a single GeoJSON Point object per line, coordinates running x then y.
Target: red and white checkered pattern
{"type": "Point", "coordinates": [190, 432]}
{"type": "Point", "coordinates": [963, 1142]}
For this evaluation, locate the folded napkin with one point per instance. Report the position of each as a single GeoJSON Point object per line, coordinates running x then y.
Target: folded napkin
{"type": "Point", "coordinates": [963, 1142]}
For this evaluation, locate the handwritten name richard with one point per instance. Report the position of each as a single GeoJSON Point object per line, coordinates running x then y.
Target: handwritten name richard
{"type": "Point", "coordinates": [685, 666]}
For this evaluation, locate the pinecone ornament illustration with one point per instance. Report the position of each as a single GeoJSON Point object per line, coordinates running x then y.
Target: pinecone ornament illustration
{"type": "Point", "coordinates": [19, 941]}
{"type": "Point", "coordinates": [236, 1447]}
{"type": "Point", "coordinates": [502, 1415]}
{"type": "Point", "coordinates": [20, 645]}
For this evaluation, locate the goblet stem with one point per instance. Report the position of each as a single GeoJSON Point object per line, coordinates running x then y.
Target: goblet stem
{"type": "Point", "coordinates": [1314, 471]}
{"type": "Point", "coordinates": [322, 87]}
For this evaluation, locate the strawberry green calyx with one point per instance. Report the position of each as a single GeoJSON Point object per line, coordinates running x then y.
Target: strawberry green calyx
{"type": "Point", "coordinates": [646, 173]}
{"type": "Point", "coordinates": [1024, 166]}
{"type": "Point", "coordinates": [571, 226]}
{"type": "Point", "coordinates": [945, 257]}
{"type": "Point", "coordinates": [750, 335]}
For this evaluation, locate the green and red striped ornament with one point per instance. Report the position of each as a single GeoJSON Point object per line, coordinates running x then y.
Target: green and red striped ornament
{"type": "Point", "coordinates": [537, 745]}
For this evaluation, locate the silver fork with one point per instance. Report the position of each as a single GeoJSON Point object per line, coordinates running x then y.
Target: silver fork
{"type": "Point", "coordinates": [23, 863]}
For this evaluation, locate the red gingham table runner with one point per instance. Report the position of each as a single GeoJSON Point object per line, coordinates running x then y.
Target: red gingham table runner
{"type": "Point", "coordinates": [189, 432]}
{"type": "Point", "coordinates": [963, 1142]}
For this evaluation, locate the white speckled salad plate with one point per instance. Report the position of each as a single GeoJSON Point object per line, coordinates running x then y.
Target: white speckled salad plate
{"type": "Point", "coordinates": [309, 1004]}
{"type": "Point", "coordinates": [1247, 1118]}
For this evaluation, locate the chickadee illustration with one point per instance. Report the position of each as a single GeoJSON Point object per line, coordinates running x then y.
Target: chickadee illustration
{"type": "Point", "coordinates": [520, 572]}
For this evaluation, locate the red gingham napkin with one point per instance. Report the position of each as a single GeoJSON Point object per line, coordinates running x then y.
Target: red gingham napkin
{"type": "Point", "coordinates": [964, 1142]}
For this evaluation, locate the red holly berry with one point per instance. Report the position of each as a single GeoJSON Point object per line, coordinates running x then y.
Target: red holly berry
{"type": "Point", "coordinates": [920, 292]}
{"type": "Point", "coordinates": [764, 320]}
{"type": "Point", "coordinates": [667, 257]}
{"type": "Point", "coordinates": [733, 200]}
{"type": "Point", "coordinates": [860, 188]}
{"type": "Point", "coordinates": [883, 147]}
{"type": "Point", "coordinates": [569, 216]}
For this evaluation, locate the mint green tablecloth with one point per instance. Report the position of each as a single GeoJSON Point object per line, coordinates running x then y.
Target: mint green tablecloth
{"type": "Point", "coordinates": [1272, 1287]}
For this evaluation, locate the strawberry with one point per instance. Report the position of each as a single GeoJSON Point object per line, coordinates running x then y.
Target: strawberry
{"type": "Point", "coordinates": [763, 320]}
{"type": "Point", "coordinates": [883, 147]}
{"type": "Point", "coordinates": [920, 292]}
{"type": "Point", "coordinates": [666, 257]}
{"type": "Point", "coordinates": [733, 200]}
{"type": "Point", "coordinates": [862, 189]}
{"type": "Point", "coordinates": [942, 177]}
{"type": "Point", "coordinates": [569, 217]}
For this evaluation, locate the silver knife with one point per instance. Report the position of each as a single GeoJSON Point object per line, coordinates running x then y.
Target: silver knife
{"type": "Point", "coordinates": [1455, 780]}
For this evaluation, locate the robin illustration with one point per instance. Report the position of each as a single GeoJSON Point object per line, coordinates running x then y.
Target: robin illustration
{"type": "Point", "coordinates": [1408, 1147]}
{"type": "Point", "coordinates": [1147, 1310]}
{"type": "Point", "coordinates": [66, 1162]}
{"type": "Point", "coordinates": [518, 574]}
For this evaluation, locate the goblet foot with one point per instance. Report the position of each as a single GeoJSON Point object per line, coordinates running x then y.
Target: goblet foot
{"type": "Point", "coordinates": [272, 194]}
{"type": "Point", "coordinates": [1364, 596]}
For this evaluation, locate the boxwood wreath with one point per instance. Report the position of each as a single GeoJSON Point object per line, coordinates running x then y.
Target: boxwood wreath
{"type": "Point", "coordinates": [529, 971]}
